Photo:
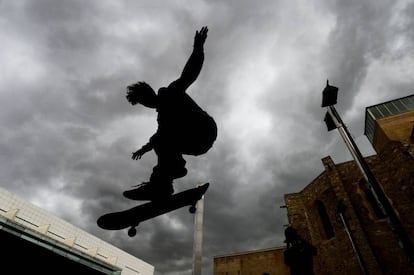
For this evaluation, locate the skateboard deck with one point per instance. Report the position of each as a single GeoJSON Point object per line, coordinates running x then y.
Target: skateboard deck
{"type": "Point", "coordinates": [134, 216]}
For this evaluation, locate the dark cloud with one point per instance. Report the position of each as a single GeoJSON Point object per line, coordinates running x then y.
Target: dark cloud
{"type": "Point", "coordinates": [67, 132]}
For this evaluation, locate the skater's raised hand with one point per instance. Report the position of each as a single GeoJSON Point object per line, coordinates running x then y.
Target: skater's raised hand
{"type": "Point", "coordinates": [200, 37]}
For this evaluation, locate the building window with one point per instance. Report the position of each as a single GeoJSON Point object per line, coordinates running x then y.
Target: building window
{"type": "Point", "coordinates": [325, 223]}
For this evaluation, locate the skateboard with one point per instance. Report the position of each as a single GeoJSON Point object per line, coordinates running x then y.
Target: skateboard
{"type": "Point", "coordinates": [134, 216]}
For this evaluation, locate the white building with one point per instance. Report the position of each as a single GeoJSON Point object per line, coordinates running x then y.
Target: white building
{"type": "Point", "coordinates": [30, 229]}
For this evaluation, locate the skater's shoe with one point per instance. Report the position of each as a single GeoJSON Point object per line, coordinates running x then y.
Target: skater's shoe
{"type": "Point", "coordinates": [148, 191]}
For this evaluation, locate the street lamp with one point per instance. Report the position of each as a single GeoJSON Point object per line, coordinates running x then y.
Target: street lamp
{"type": "Point", "coordinates": [334, 121]}
{"type": "Point", "coordinates": [329, 95]}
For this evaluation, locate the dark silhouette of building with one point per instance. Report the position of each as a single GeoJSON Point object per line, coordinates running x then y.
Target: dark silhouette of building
{"type": "Point", "coordinates": [340, 216]}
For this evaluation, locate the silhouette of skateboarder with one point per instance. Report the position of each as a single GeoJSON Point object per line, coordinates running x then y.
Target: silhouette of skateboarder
{"type": "Point", "coordinates": [183, 126]}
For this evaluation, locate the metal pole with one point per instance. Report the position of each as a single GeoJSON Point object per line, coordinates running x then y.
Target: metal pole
{"type": "Point", "coordinates": [353, 149]}
{"type": "Point", "coordinates": [378, 193]}
{"type": "Point", "coordinates": [198, 237]}
{"type": "Point", "coordinates": [351, 238]}
{"type": "Point", "coordinates": [341, 211]}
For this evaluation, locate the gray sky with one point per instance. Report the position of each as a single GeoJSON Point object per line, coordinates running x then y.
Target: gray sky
{"type": "Point", "coordinates": [67, 131]}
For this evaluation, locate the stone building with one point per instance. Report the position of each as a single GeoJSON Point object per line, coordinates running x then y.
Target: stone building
{"type": "Point", "coordinates": [340, 216]}
{"type": "Point", "coordinates": [258, 262]}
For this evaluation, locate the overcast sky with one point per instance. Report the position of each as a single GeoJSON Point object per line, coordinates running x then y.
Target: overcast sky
{"type": "Point", "coordinates": [67, 132]}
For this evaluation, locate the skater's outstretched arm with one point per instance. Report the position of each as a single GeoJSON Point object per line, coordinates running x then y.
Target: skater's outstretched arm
{"type": "Point", "coordinates": [195, 62]}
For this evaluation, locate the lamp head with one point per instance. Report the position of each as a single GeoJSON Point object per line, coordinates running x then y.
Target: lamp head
{"type": "Point", "coordinates": [329, 95]}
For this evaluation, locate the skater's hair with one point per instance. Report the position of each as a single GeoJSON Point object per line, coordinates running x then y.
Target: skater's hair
{"type": "Point", "coordinates": [142, 93]}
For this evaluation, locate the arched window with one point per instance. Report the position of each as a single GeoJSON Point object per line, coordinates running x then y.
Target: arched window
{"type": "Point", "coordinates": [325, 223]}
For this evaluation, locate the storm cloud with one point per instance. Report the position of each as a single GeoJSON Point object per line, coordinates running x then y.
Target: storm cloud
{"type": "Point", "coordinates": [67, 131]}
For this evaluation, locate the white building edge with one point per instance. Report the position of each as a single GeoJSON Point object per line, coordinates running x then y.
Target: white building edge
{"type": "Point", "coordinates": [14, 210]}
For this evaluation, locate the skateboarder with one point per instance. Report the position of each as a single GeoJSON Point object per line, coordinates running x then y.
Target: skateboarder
{"type": "Point", "coordinates": [183, 127]}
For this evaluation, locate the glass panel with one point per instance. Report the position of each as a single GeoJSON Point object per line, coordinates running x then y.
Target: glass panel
{"type": "Point", "coordinates": [369, 125]}
{"type": "Point", "coordinates": [375, 112]}
{"type": "Point", "coordinates": [411, 99]}
{"type": "Point", "coordinates": [400, 106]}
{"type": "Point", "coordinates": [384, 111]}
{"type": "Point", "coordinates": [392, 108]}
{"type": "Point", "coordinates": [407, 103]}
{"type": "Point", "coordinates": [370, 131]}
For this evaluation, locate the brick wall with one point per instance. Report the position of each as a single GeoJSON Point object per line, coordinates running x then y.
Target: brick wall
{"type": "Point", "coordinates": [377, 246]}
{"type": "Point", "coordinates": [252, 263]}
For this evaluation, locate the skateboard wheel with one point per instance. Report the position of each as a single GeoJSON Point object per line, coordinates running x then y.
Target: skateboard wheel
{"type": "Point", "coordinates": [132, 232]}
{"type": "Point", "coordinates": [192, 209]}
